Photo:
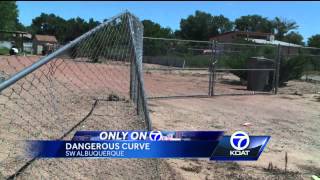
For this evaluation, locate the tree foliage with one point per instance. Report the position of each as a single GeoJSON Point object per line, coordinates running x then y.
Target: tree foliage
{"type": "Point", "coordinates": [282, 26]}
{"type": "Point", "coordinates": [152, 29]}
{"type": "Point", "coordinates": [293, 37]}
{"type": "Point", "coordinates": [8, 15]}
{"type": "Point", "coordinates": [49, 24]}
{"type": "Point", "coordinates": [155, 30]}
{"type": "Point", "coordinates": [314, 41]}
{"type": "Point", "coordinates": [201, 26]}
{"type": "Point", "coordinates": [64, 30]}
{"type": "Point", "coordinates": [253, 23]}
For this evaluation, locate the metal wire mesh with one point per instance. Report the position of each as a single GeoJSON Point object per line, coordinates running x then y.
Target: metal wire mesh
{"type": "Point", "coordinates": [174, 68]}
{"type": "Point", "coordinates": [299, 70]}
{"type": "Point", "coordinates": [94, 82]}
{"type": "Point", "coordinates": [237, 63]}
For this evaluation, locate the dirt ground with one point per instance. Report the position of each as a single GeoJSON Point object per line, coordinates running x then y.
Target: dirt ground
{"type": "Point", "coordinates": [56, 98]}
{"type": "Point", "coordinates": [291, 118]}
{"type": "Point", "coordinates": [292, 121]}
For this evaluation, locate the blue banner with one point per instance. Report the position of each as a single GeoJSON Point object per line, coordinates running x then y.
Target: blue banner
{"type": "Point", "coordinates": [154, 144]}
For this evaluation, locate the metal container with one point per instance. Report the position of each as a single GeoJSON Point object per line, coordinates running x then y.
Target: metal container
{"type": "Point", "coordinates": [260, 78]}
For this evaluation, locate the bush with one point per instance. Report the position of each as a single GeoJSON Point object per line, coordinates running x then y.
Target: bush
{"type": "Point", "coordinates": [238, 57]}
{"type": "Point", "coordinates": [290, 67]}
{"type": "Point", "coordinates": [198, 61]}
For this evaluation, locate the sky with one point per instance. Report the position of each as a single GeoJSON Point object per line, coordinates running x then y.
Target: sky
{"type": "Point", "coordinates": [169, 13]}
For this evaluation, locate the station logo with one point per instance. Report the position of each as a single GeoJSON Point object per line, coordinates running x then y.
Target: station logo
{"type": "Point", "coordinates": [240, 147]}
{"type": "Point", "coordinates": [155, 136]}
{"type": "Point", "coordinates": [239, 142]}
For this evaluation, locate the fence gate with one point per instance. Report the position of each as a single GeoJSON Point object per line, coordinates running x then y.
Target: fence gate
{"type": "Point", "coordinates": [187, 68]}
{"type": "Point", "coordinates": [176, 68]}
{"type": "Point", "coordinates": [244, 69]}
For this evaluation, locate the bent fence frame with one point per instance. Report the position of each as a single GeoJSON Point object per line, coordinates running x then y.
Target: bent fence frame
{"type": "Point", "coordinates": [137, 92]}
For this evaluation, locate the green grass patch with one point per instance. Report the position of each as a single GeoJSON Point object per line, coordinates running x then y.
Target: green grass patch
{"type": "Point", "coordinates": [4, 51]}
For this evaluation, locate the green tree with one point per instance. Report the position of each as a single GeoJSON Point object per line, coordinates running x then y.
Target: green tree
{"type": "Point", "coordinates": [78, 26]}
{"type": "Point", "coordinates": [64, 30]}
{"type": "Point", "coordinates": [253, 23]}
{"type": "Point", "coordinates": [49, 24]}
{"type": "Point", "coordinates": [153, 29]}
{"type": "Point", "coordinates": [282, 26]}
{"type": "Point", "coordinates": [314, 63]}
{"type": "Point", "coordinates": [293, 37]}
{"type": "Point", "coordinates": [314, 41]}
{"type": "Point", "coordinates": [196, 26]}
{"type": "Point", "coordinates": [155, 47]}
{"type": "Point", "coordinates": [8, 15]}
{"type": "Point", "coordinates": [202, 25]}
{"type": "Point", "coordinates": [219, 24]}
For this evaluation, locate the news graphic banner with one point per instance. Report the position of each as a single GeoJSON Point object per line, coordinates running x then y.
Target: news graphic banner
{"type": "Point", "coordinates": [153, 144]}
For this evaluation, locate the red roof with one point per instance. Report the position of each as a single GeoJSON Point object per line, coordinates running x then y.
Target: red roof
{"type": "Point", "coordinates": [46, 38]}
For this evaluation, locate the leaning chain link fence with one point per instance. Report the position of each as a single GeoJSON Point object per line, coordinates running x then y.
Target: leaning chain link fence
{"type": "Point", "coordinates": [94, 82]}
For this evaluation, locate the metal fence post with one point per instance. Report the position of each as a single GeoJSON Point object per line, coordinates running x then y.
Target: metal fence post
{"type": "Point", "coordinates": [210, 72]}
{"type": "Point", "coordinates": [212, 69]}
{"type": "Point", "coordinates": [138, 98]}
{"type": "Point", "coordinates": [131, 79]}
{"type": "Point", "coordinates": [137, 41]}
{"type": "Point", "coordinates": [277, 69]}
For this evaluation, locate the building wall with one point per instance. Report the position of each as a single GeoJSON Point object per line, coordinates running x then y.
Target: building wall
{"type": "Point", "coordinates": [38, 47]}
{"type": "Point", "coordinates": [285, 50]}
{"type": "Point", "coordinates": [27, 47]}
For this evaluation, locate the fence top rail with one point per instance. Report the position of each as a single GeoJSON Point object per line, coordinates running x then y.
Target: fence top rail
{"type": "Point", "coordinates": [24, 72]}
{"type": "Point", "coordinates": [270, 69]}
{"type": "Point", "coordinates": [174, 68]}
{"type": "Point", "coordinates": [173, 39]}
{"type": "Point", "coordinates": [225, 43]}
{"type": "Point", "coordinates": [247, 44]}
{"type": "Point", "coordinates": [315, 48]}
{"type": "Point", "coordinates": [309, 55]}
{"type": "Point", "coordinates": [208, 42]}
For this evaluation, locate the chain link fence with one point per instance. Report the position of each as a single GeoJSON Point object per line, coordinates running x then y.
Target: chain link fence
{"type": "Point", "coordinates": [94, 82]}
{"type": "Point", "coordinates": [299, 70]}
{"type": "Point", "coordinates": [176, 68]}
{"type": "Point", "coordinates": [184, 68]}
{"type": "Point", "coordinates": [244, 69]}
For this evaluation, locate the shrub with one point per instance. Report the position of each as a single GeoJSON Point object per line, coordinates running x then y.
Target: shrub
{"type": "Point", "coordinates": [290, 67]}
{"type": "Point", "coordinates": [198, 61]}
{"type": "Point", "coordinates": [237, 58]}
